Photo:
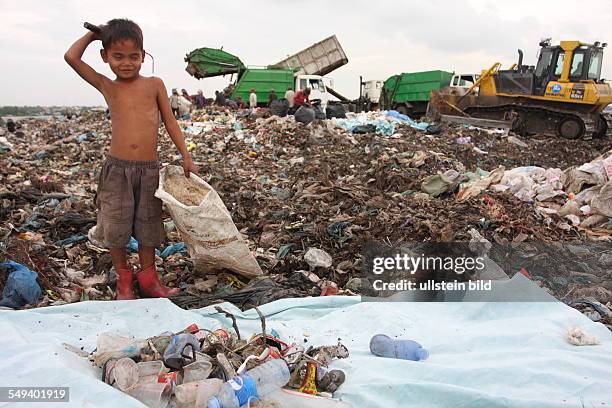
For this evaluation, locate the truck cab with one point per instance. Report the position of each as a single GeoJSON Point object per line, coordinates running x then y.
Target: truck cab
{"type": "Point", "coordinates": [317, 87]}
{"type": "Point", "coordinates": [463, 82]}
{"type": "Point", "coordinates": [372, 89]}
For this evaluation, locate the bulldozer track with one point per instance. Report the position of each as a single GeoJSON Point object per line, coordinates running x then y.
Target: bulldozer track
{"type": "Point", "coordinates": [608, 118]}
{"type": "Point", "coordinates": [553, 116]}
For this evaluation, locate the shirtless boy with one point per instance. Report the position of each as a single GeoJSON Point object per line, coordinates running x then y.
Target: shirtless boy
{"type": "Point", "coordinates": [129, 176]}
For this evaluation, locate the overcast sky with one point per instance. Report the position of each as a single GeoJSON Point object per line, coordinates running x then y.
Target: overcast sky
{"type": "Point", "coordinates": [380, 38]}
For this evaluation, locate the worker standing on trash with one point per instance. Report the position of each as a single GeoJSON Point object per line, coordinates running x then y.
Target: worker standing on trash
{"type": "Point", "coordinates": [129, 177]}
{"type": "Point", "coordinates": [289, 95]}
{"type": "Point", "coordinates": [174, 102]}
{"type": "Point", "coordinates": [200, 101]}
{"type": "Point", "coordinates": [252, 99]}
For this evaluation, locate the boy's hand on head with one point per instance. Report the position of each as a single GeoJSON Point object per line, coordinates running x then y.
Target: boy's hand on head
{"type": "Point", "coordinates": [95, 30]}
{"type": "Point", "coordinates": [189, 166]}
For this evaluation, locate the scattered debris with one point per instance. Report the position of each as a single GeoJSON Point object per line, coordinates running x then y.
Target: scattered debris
{"type": "Point", "coordinates": [318, 258]}
{"type": "Point", "coordinates": [578, 337]}
{"type": "Point", "coordinates": [291, 187]}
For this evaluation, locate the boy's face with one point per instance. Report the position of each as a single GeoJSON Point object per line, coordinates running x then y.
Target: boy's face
{"type": "Point", "coordinates": [124, 58]}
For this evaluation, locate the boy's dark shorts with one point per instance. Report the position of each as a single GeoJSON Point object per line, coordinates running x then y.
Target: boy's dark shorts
{"type": "Point", "coordinates": [127, 205]}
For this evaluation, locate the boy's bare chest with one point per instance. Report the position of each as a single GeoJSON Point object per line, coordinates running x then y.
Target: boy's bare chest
{"type": "Point", "coordinates": [135, 97]}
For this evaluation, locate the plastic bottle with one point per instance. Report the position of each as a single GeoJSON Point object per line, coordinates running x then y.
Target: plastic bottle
{"type": "Point", "coordinates": [384, 346]}
{"type": "Point", "coordinates": [255, 383]}
{"type": "Point", "coordinates": [234, 393]}
{"type": "Point", "coordinates": [206, 390]}
{"type": "Point", "coordinates": [270, 376]}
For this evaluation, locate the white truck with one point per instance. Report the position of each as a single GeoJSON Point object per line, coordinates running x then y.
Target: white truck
{"type": "Point", "coordinates": [372, 89]}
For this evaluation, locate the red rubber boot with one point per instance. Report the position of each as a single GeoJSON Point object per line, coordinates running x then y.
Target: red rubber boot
{"type": "Point", "coordinates": [150, 286]}
{"type": "Point", "coordinates": [125, 284]}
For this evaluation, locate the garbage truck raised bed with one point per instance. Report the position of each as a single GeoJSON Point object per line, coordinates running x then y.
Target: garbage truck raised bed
{"type": "Point", "coordinates": [299, 71]}
{"type": "Point", "coordinates": [409, 93]}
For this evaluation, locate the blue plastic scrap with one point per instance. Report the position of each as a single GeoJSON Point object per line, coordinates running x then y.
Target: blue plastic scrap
{"type": "Point", "coordinates": [74, 239]}
{"type": "Point", "coordinates": [86, 136]}
{"type": "Point", "coordinates": [383, 127]}
{"type": "Point", "coordinates": [386, 126]}
{"type": "Point", "coordinates": [21, 287]}
{"type": "Point", "coordinates": [132, 246]}
{"type": "Point", "coordinates": [179, 247]}
{"type": "Point", "coordinates": [406, 120]}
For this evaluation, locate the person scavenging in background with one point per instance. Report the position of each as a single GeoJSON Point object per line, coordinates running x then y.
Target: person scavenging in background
{"type": "Point", "coordinates": [200, 101]}
{"type": "Point", "coordinates": [240, 102]}
{"type": "Point", "coordinates": [186, 95]}
{"type": "Point", "coordinates": [289, 95]}
{"type": "Point", "coordinates": [272, 97]}
{"type": "Point", "coordinates": [174, 102]}
{"type": "Point", "coordinates": [301, 98]}
{"type": "Point", "coordinates": [252, 99]}
{"type": "Point", "coordinates": [232, 104]}
{"type": "Point", "coordinates": [129, 176]}
{"type": "Point", "coordinates": [220, 99]}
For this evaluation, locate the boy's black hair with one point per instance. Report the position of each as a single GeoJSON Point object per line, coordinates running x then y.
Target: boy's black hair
{"type": "Point", "coordinates": [121, 29]}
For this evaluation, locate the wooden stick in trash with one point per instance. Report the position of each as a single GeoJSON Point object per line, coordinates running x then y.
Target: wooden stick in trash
{"type": "Point", "coordinates": [93, 28]}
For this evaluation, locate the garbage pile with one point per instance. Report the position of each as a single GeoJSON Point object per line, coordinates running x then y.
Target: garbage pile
{"type": "Point", "coordinates": [582, 195]}
{"type": "Point", "coordinates": [305, 197]}
{"type": "Point", "coordinates": [197, 367]}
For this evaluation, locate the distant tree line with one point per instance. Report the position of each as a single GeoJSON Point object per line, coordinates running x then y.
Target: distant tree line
{"type": "Point", "coordinates": [22, 110]}
{"type": "Point", "coordinates": [34, 110]}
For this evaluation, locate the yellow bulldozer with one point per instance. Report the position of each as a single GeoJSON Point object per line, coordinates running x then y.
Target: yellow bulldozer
{"type": "Point", "coordinates": [562, 95]}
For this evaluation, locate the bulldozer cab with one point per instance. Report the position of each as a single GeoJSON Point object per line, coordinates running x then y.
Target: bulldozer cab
{"type": "Point", "coordinates": [571, 61]}
{"type": "Point", "coordinates": [568, 62]}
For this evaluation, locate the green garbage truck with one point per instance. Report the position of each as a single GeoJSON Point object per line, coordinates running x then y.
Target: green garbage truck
{"type": "Point", "coordinates": [409, 93]}
{"type": "Point", "coordinates": [299, 71]}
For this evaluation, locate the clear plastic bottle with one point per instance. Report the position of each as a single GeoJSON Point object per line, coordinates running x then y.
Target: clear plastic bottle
{"type": "Point", "coordinates": [234, 393]}
{"type": "Point", "coordinates": [383, 346]}
{"type": "Point", "coordinates": [258, 382]}
{"type": "Point", "coordinates": [270, 376]}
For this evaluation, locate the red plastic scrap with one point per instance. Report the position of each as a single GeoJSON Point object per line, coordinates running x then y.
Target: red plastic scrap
{"type": "Point", "coordinates": [526, 273]}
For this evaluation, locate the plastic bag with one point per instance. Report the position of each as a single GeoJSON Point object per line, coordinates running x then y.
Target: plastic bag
{"type": "Point", "coordinates": [304, 115]}
{"type": "Point", "coordinates": [21, 286]}
{"type": "Point", "coordinates": [335, 111]}
{"type": "Point", "coordinates": [279, 107]}
{"type": "Point", "coordinates": [319, 113]}
{"type": "Point", "coordinates": [205, 224]}
{"type": "Point", "coordinates": [602, 202]}
{"type": "Point", "coordinates": [113, 346]}
{"type": "Point", "coordinates": [438, 184]}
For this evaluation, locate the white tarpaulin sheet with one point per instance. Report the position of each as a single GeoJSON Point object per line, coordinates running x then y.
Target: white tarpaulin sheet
{"type": "Point", "coordinates": [481, 354]}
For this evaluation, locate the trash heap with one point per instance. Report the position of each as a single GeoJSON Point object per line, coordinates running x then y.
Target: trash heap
{"type": "Point", "coordinates": [306, 197]}
{"type": "Point", "coordinates": [581, 195]}
{"type": "Point", "coordinates": [198, 367]}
